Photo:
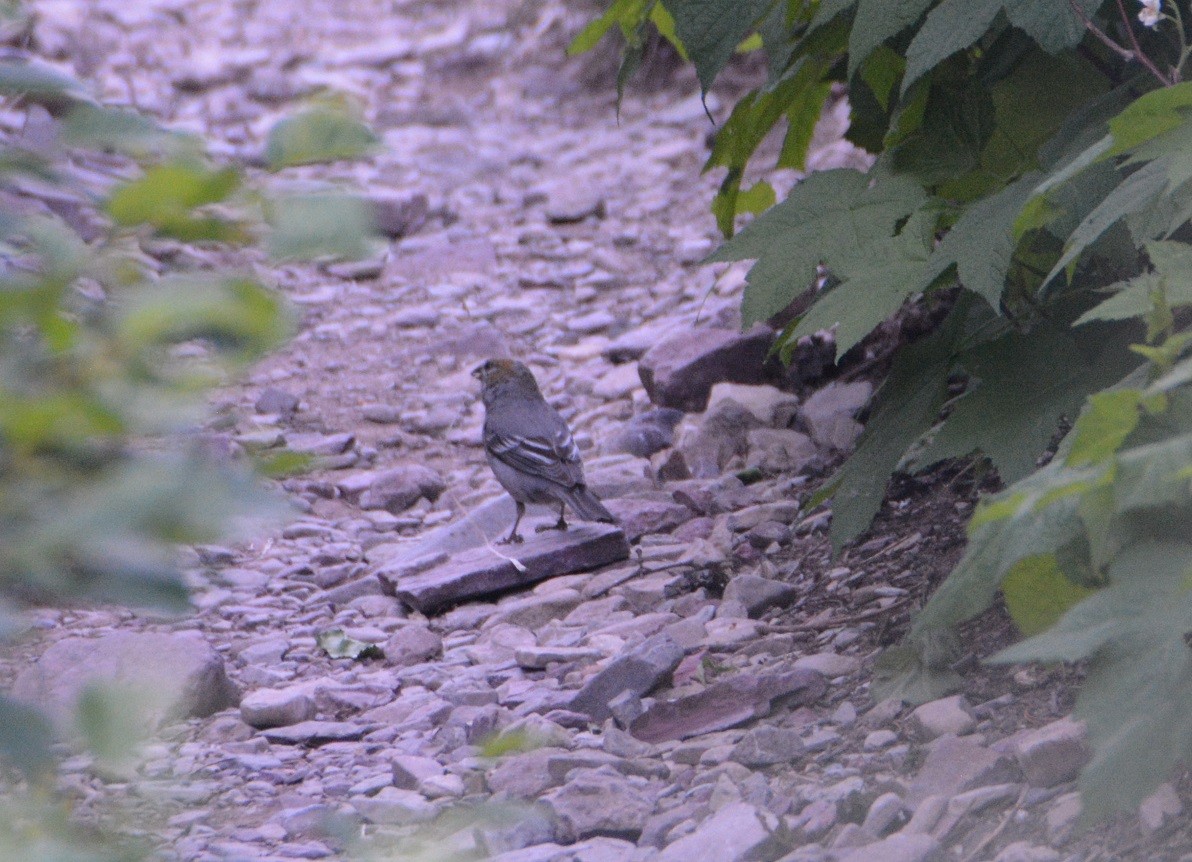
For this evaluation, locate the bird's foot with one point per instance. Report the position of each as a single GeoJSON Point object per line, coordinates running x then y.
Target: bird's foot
{"type": "Point", "coordinates": [542, 528]}
{"type": "Point", "coordinates": [512, 539]}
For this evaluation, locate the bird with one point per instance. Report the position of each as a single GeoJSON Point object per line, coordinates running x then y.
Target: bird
{"type": "Point", "coordinates": [530, 448]}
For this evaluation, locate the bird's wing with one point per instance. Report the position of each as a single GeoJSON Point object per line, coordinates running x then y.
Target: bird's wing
{"type": "Point", "coordinates": [555, 458]}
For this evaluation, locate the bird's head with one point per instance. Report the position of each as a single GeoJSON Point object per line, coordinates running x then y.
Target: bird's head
{"type": "Point", "coordinates": [501, 375]}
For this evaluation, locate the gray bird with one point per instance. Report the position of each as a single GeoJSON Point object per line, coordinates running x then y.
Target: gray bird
{"type": "Point", "coordinates": [530, 448]}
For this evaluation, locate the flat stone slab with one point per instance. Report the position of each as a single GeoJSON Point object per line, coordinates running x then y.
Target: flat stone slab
{"type": "Point", "coordinates": [483, 571]}
{"type": "Point", "coordinates": [728, 703]}
{"type": "Point", "coordinates": [318, 732]}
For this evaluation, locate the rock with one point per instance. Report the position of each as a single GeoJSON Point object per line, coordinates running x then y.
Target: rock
{"type": "Point", "coordinates": [769, 405]}
{"type": "Point", "coordinates": [1159, 810]}
{"type": "Point", "coordinates": [759, 594]}
{"type": "Point", "coordinates": [537, 658]}
{"type": "Point", "coordinates": [738, 832]}
{"type": "Point", "coordinates": [882, 814]}
{"type": "Point", "coordinates": [412, 644]}
{"type": "Point", "coordinates": [955, 764]}
{"type": "Point", "coordinates": [633, 344]}
{"type": "Point", "coordinates": [277, 707]}
{"type": "Point", "coordinates": [572, 201]}
{"type": "Point", "coordinates": [438, 257]}
{"type": "Point", "coordinates": [321, 444]}
{"type": "Point", "coordinates": [725, 704]}
{"type": "Point", "coordinates": [898, 848]}
{"type": "Point", "coordinates": [639, 517]}
{"type": "Point", "coordinates": [721, 435]}
{"type": "Point", "coordinates": [1061, 818]}
{"type": "Point", "coordinates": [620, 382]}
{"type": "Point", "coordinates": [1051, 754]}
{"type": "Point", "coordinates": [1024, 851]}
{"type": "Point", "coordinates": [278, 401]}
{"type": "Point", "coordinates": [394, 489]}
{"type": "Point", "coordinates": [396, 807]}
{"type": "Point", "coordinates": [680, 371]}
{"type": "Point", "coordinates": [174, 676]}
{"type": "Point", "coordinates": [523, 776]}
{"type": "Point", "coordinates": [971, 803]}
{"type": "Point", "coordinates": [878, 739]}
{"type": "Point", "coordinates": [601, 801]}
{"type": "Point", "coordinates": [669, 466]}
{"type": "Point", "coordinates": [480, 572]}
{"type": "Point", "coordinates": [828, 413]}
{"type": "Point", "coordinates": [410, 770]}
{"type": "Point", "coordinates": [317, 732]}
{"type": "Point", "coordinates": [766, 746]}
{"type": "Point", "coordinates": [533, 612]}
{"type": "Point", "coordinates": [781, 450]}
{"type": "Point", "coordinates": [829, 664]}
{"type": "Point", "coordinates": [639, 671]}
{"type": "Point", "coordinates": [395, 215]}
{"type": "Point", "coordinates": [946, 715]}
{"type": "Point", "coordinates": [646, 433]}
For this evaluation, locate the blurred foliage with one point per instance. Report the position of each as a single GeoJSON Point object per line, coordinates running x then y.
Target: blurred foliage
{"type": "Point", "coordinates": [108, 351]}
{"type": "Point", "coordinates": [1032, 180]}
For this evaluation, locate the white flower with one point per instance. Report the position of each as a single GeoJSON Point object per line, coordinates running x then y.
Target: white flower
{"type": "Point", "coordinates": [1149, 16]}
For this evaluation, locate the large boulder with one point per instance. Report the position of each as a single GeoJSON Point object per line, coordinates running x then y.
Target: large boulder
{"type": "Point", "coordinates": [680, 371]}
{"type": "Point", "coordinates": [176, 675]}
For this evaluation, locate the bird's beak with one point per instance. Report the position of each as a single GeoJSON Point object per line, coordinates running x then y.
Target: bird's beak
{"type": "Point", "coordinates": [477, 371]}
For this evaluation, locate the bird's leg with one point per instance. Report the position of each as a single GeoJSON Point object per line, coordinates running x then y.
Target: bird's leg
{"type": "Point", "coordinates": [561, 525]}
{"type": "Point", "coordinates": [514, 538]}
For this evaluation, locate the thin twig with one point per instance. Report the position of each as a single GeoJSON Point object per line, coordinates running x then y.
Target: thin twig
{"type": "Point", "coordinates": [1166, 80]}
{"type": "Point", "coordinates": [1124, 53]}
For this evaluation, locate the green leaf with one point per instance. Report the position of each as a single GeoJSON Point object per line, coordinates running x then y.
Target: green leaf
{"type": "Point", "coordinates": [628, 14]}
{"type": "Point", "coordinates": [338, 645]}
{"type": "Point", "coordinates": [238, 316]}
{"type": "Point", "coordinates": [981, 244]}
{"type": "Point", "coordinates": [307, 226]}
{"type": "Point", "coordinates": [166, 196]}
{"type": "Point", "coordinates": [1027, 382]}
{"type": "Point", "coordinates": [872, 287]}
{"type": "Point", "coordinates": [829, 217]}
{"type": "Point", "coordinates": [950, 27]}
{"type": "Point", "coordinates": [903, 673]}
{"type": "Point", "coordinates": [1139, 680]}
{"type": "Point", "coordinates": [1053, 26]}
{"type": "Point", "coordinates": [1150, 116]}
{"type": "Point", "coordinates": [875, 22]}
{"type": "Point", "coordinates": [1137, 191]}
{"type": "Point", "coordinates": [41, 84]}
{"type": "Point", "coordinates": [711, 30]}
{"type": "Point", "coordinates": [1037, 516]}
{"type": "Point", "coordinates": [1037, 593]}
{"type": "Point", "coordinates": [319, 134]}
{"type": "Point", "coordinates": [799, 94]}
{"type": "Point", "coordinates": [97, 127]}
{"type": "Point", "coordinates": [113, 719]}
{"type": "Point", "coordinates": [1154, 475]}
{"type": "Point", "coordinates": [25, 738]}
{"type": "Point", "coordinates": [1108, 419]}
{"type": "Point", "coordinates": [662, 19]}
{"type": "Point", "coordinates": [906, 406]}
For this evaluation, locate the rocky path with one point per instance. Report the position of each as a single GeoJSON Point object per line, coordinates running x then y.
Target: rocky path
{"type": "Point", "coordinates": [705, 698]}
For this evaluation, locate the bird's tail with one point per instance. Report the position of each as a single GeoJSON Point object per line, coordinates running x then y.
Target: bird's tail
{"type": "Point", "coordinates": [586, 505]}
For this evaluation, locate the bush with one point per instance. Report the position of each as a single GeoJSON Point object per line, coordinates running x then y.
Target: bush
{"type": "Point", "coordinates": [1032, 171]}
{"type": "Point", "coordinates": [108, 349]}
